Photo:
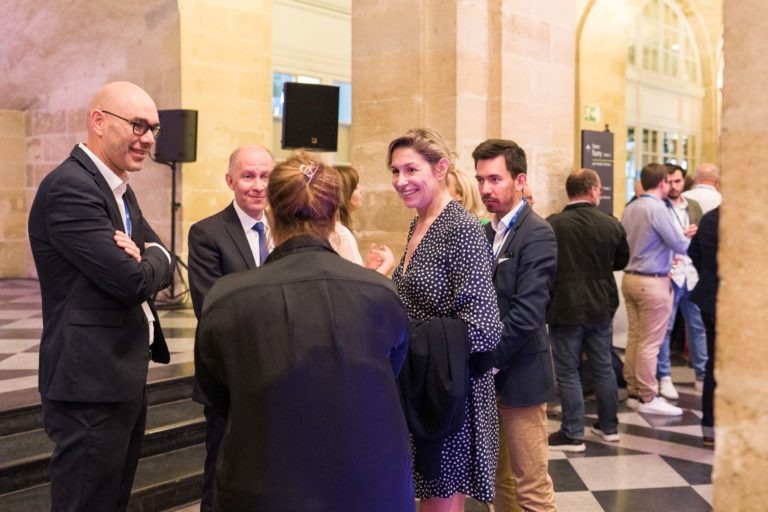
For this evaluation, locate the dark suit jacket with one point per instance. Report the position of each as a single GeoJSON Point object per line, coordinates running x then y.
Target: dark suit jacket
{"type": "Point", "coordinates": [590, 245]}
{"type": "Point", "coordinates": [523, 273]}
{"type": "Point", "coordinates": [314, 417]}
{"type": "Point", "coordinates": [95, 333]}
{"type": "Point", "coordinates": [703, 253]}
{"type": "Point", "coordinates": [217, 247]}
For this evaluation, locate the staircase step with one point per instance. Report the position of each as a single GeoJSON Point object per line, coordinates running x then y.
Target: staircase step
{"type": "Point", "coordinates": [25, 456]}
{"type": "Point", "coordinates": [30, 417]}
{"type": "Point", "coordinates": [162, 481]}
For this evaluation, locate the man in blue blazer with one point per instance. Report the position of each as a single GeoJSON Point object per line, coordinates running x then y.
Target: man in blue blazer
{"type": "Point", "coordinates": [525, 259]}
{"type": "Point", "coordinates": [99, 264]}
{"type": "Point", "coordinates": [222, 244]}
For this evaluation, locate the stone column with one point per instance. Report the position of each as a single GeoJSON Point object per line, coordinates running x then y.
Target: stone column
{"type": "Point", "coordinates": [741, 455]}
{"type": "Point", "coordinates": [226, 75]}
{"type": "Point", "coordinates": [13, 195]}
{"type": "Point", "coordinates": [470, 69]}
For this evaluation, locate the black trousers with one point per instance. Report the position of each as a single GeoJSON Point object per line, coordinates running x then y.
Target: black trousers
{"type": "Point", "coordinates": [708, 393]}
{"type": "Point", "coordinates": [97, 450]}
{"type": "Point", "coordinates": [215, 425]}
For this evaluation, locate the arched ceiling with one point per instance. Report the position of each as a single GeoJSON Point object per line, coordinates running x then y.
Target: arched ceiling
{"type": "Point", "coordinates": [47, 45]}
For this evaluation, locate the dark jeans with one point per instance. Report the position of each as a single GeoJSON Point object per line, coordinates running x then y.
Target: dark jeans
{"type": "Point", "coordinates": [97, 450]}
{"type": "Point", "coordinates": [708, 393]}
{"type": "Point", "coordinates": [568, 342]}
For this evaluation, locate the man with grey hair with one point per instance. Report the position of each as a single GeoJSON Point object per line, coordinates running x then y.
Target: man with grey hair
{"type": "Point", "coordinates": [705, 191]}
{"type": "Point", "coordinates": [591, 245]}
{"type": "Point", "coordinates": [233, 240]}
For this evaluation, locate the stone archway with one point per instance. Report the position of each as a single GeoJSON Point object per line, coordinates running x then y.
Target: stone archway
{"type": "Point", "coordinates": [54, 56]}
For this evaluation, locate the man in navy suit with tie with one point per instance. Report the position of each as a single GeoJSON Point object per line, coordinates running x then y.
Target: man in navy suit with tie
{"type": "Point", "coordinates": [233, 240]}
{"type": "Point", "coordinates": [525, 259]}
{"type": "Point", "coordinates": [99, 264]}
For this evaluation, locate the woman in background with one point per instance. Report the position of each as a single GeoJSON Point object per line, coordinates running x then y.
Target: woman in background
{"type": "Point", "coordinates": [380, 257]}
{"type": "Point", "coordinates": [301, 355]}
{"type": "Point", "coordinates": [446, 273]}
{"type": "Point", "coordinates": [463, 188]}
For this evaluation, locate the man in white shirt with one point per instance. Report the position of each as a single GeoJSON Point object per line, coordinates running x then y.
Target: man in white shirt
{"type": "Point", "coordinates": [227, 242]}
{"type": "Point", "coordinates": [705, 191]}
{"type": "Point", "coordinates": [686, 212]}
{"type": "Point", "coordinates": [99, 263]}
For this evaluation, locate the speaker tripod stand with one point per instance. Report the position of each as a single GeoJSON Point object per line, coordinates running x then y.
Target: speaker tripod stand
{"type": "Point", "coordinates": [174, 300]}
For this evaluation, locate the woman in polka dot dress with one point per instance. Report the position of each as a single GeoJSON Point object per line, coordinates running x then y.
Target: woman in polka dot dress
{"type": "Point", "coordinates": [446, 272]}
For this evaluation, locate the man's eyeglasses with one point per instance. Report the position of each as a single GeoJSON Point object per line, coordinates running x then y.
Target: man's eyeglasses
{"type": "Point", "coordinates": [139, 127]}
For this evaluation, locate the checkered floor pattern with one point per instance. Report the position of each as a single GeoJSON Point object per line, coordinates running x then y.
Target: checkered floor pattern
{"type": "Point", "coordinates": [659, 464]}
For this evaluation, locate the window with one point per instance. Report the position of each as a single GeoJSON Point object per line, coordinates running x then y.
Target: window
{"type": "Point", "coordinates": [345, 101]}
{"type": "Point", "coordinates": [663, 42]}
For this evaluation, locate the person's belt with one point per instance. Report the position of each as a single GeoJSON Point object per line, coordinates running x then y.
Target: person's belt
{"type": "Point", "coordinates": [645, 274]}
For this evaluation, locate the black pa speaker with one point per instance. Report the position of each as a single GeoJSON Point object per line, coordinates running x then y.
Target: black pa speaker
{"type": "Point", "coordinates": [310, 116]}
{"type": "Point", "coordinates": [178, 136]}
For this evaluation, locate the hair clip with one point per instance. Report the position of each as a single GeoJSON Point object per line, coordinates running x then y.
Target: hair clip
{"type": "Point", "coordinates": [309, 171]}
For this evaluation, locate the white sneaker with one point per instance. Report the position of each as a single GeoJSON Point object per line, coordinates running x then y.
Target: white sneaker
{"type": "Point", "coordinates": [698, 385]}
{"type": "Point", "coordinates": [660, 406]}
{"type": "Point", "coordinates": [611, 438]}
{"type": "Point", "coordinates": [633, 402]}
{"type": "Point", "coordinates": [667, 389]}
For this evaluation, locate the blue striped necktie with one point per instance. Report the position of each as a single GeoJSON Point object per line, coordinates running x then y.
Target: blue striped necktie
{"type": "Point", "coordinates": [128, 228]}
{"type": "Point", "coordinates": [263, 248]}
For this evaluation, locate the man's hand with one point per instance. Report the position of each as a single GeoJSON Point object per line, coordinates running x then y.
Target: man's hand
{"type": "Point", "coordinates": [125, 243]}
{"type": "Point", "coordinates": [691, 230]}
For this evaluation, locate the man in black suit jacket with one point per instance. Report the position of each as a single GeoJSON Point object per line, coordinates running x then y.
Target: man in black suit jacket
{"type": "Point", "coordinates": [222, 244]}
{"type": "Point", "coordinates": [591, 245]}
{"type": "Point", "coordinates": [99, 263]}
{"type": "Point", "coordinates": [703, 253]}
{"type": "Point", "coordinates": [525, 254]}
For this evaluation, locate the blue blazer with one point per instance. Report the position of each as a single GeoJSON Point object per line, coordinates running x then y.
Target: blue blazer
{"type": "Point", "coordinates": [523, 275]}
{"type": "Point", "coordinates": [95, 332]}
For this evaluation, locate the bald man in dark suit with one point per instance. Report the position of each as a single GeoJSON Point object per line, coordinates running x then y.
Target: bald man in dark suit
{"type": "Point", "coordinates": [225, 243]}
{"type": "Point", "coordinates": [99, 263]}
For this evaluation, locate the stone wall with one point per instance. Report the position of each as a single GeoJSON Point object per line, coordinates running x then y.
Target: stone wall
{"type": "Point", "coordinates": [13, 195]}
{"type": "Point", "coordinates": [470, 69]}
{"type": "Point", "coordinates": [741, 455]}
{"type": "Point", "coordinates": [226, 76]}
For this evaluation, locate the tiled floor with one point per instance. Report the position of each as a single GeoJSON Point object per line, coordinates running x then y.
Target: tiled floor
{"type": "Point", "coordinates": [659, 464]}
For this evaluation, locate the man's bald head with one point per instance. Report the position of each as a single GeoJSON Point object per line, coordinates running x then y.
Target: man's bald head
{"type": "Point", "coordinates": [707, 174]}
{"type": "Point", "coordinates": [253, 153]}
{"type": "Point", "coordinates": [113, 113]}
{"type": "Point", "coordinates": [248, 177]}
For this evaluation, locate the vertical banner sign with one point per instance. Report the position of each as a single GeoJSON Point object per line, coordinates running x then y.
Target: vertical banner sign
{"type": "Point", "coordinates": [597, 154]}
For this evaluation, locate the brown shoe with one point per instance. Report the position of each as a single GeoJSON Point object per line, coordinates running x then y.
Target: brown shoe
{"type": "Point", "coordinates": [708, 441]}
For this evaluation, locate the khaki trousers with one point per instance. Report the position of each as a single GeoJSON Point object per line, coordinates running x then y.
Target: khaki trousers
{"type": "Point", "coordinates": [522, 471]}
{"type": "Point", "coordinates": [649, 304]}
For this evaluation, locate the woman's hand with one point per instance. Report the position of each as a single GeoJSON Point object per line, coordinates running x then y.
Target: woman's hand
{"type": "Point", "coordinates": [380, 259]}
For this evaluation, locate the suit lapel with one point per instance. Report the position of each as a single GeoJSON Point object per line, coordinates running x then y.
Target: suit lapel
{"type": "Point", "coordinates": [507, 250]}
{"type": "Point", "coordinates": [109, 197]}
{"type": "Point", "coordinates": [235, 230]}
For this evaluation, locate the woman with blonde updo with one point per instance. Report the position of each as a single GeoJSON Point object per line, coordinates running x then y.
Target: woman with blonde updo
{"type": "Point", "coordinates": [301, 355]}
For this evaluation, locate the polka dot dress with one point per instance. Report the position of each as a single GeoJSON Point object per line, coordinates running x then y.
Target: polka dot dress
{"type": "Point", "coordinates": [449, 275]}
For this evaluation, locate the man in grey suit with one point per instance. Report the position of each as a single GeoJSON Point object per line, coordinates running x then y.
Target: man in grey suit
{"type": "Point", "coordinates": [227, 242]}
{"type": "Point", "coordinates": [525, 255]}
{"type": "Point", "coordinates": [99, 263]}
